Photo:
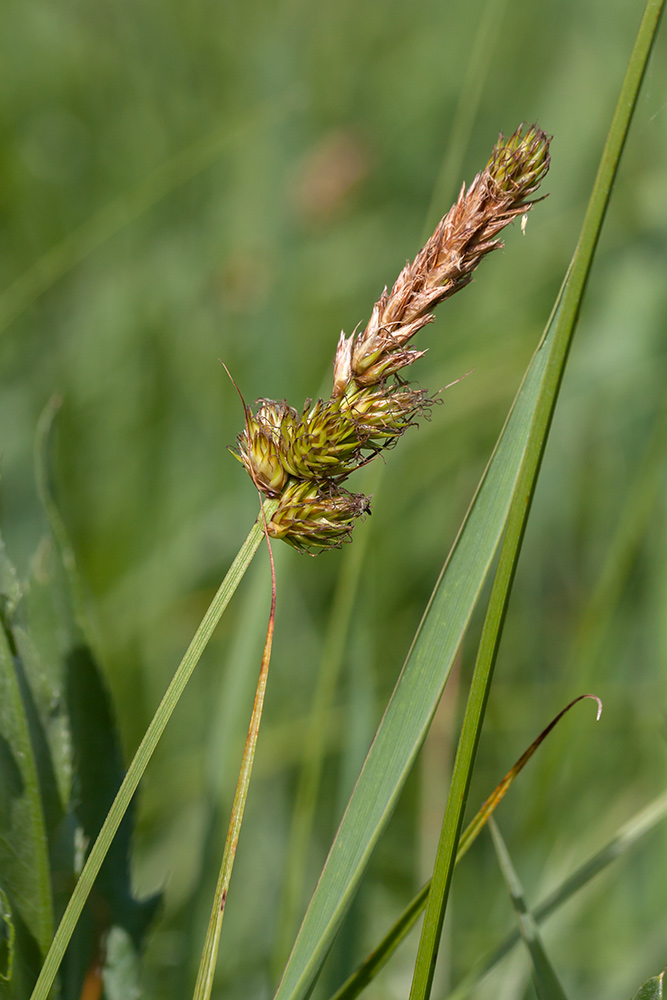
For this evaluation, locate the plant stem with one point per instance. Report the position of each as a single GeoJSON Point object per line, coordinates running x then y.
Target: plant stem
{"type": "Point", "coordinates": [209, 956]}
{"type": "Point", "coordinates": [565, 317]}
{"type": "Point", "coordinates": [143, 755]}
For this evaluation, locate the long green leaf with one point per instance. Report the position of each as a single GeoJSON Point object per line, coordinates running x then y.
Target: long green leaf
{"type": "Point", "coordinates": [562, 330]}
{"type": "Point", "coordinates": [625, 838]}
{"type": "Point", "coordinates": [143, 755]}
{"type": "Point", "coordinates": [427, 667]}
{"type": "Point", "coordinates": [418, 690]}
{"type": "Point", "coordinates": [546, 981]}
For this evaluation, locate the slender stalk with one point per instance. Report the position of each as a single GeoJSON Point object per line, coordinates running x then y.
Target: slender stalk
{"type": "Point", "coordinates": [625, 838]}
{"type": "Point", "coordinates": [315, 738]}
{"type": "Point", "coordinates": [143, 755]}
{"type": "Point", "coordinates": [566, 319]}
{"type": "Point", "coordinates": [545, 979]}
{"type": "Point", "coordinates": [209, 956]}
{"type": "Point", "coordinates": [367, 971]}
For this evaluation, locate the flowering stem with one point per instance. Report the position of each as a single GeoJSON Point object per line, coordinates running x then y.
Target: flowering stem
{"type": "Point", "coordinates": [209, 956]}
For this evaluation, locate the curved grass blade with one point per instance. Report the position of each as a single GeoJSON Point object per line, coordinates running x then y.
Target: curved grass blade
{"type": "Point", "coordinates": [562, 328]}
{"type": "Point", "coordinates": [626, 837]}
{"type": "Point", "coordinates": [545, 979]}
{"type": "Point", "coordinates": [381, 955]}
{"type": "Point", "coordinates": [143, 755]}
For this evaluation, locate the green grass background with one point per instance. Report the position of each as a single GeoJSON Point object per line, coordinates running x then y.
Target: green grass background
{"type": "Point", "coordinates": [182, 183]}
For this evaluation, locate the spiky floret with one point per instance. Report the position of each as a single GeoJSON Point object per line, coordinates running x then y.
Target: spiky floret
{"type": "Point", "coordinates": [446, 263]}
{"type": "Point", "coordinates": [304, 457]}
{"type": "Point", "coordinates": [314, 516]}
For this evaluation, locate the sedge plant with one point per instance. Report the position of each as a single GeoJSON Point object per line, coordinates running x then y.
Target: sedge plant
{"type": "Point", "coordinates": [300, 460]}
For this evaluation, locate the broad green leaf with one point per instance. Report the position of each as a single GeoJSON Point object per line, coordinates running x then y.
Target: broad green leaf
{"type": "Point", "coordinates": [546, 981]}
{"type": "Point", "coordinates": [82, 756]}
{"type": "Point", "coordinates": [24, 857]}
{"type": "Point", "coordinates": [653, 989]}
{"type": "Point", "coordinates": [62, 749]}
{"type": "Point", "coordinates": [122, 801]}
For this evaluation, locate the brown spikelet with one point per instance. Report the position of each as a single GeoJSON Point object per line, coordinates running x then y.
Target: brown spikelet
{"type": "Point", "coordinates": [446, 263]}
{"type": "Point", "coordinates": [304, 458]}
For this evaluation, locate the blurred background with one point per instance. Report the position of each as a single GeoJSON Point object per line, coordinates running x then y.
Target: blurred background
{"type": "Point", "coordinates": [183, 183]}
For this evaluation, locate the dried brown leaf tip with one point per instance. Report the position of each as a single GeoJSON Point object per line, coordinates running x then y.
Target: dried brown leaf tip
{"type": "Point", "coordinates": [303, 458]}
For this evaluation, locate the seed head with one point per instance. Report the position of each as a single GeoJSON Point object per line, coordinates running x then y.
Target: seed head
{"type": "Point", "coordinates": [316, 516]}
{"type": "Point", "coordinates": [303, 458]}
{"type": "Point", "coordinates": [447, 261]}
{"type": "Point", "coordinates": [261, 444]}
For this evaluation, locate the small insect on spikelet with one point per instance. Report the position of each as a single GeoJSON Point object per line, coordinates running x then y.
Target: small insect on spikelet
{"type": "Point", "coordinates": [302, 459]}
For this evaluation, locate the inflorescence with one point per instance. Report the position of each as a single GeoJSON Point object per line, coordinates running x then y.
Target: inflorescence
{"type": "Point", "coordinates": [303, 458]}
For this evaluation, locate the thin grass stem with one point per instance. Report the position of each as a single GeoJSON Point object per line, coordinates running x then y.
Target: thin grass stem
{"type": "Point", "coordinates": [143, 755]}
{"type": "Point", "coordinates": [207, 965]}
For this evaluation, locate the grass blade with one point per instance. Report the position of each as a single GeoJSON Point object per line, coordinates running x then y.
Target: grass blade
{"type": "Point", "coordinates": [546, 981]}
{"type": "Point", "coordinates": [143, 755]}
{"type": "Point", "coordinates": [418, 690]}
{"type": "Point", "coordinates": [562, 328]}
{"type": "Point", "coordinates": [381, 955]}
{"type": "Point", "coordinates": [626, 837]}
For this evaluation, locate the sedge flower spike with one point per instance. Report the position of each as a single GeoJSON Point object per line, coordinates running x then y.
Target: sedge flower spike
{"type": "Point", "coordinates": [303, 458]}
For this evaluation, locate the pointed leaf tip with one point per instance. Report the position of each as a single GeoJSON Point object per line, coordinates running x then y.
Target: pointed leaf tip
{"type": "Point", "coordinates": [653, 989]}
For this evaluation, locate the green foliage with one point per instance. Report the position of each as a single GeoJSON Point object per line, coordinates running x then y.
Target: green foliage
{"type": "Point", "coordinates": [652, 989]}
{"type": "Point", "coordinates": [27, 891]}
{"type": "Point", "coordinates": [420, 685]}
{"type": "Point", "coordinates": [166, 199]}
{"type": "Point", "coordinates": [61, 768]}
{"type": "Point", "coordinates": [547, 985]}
